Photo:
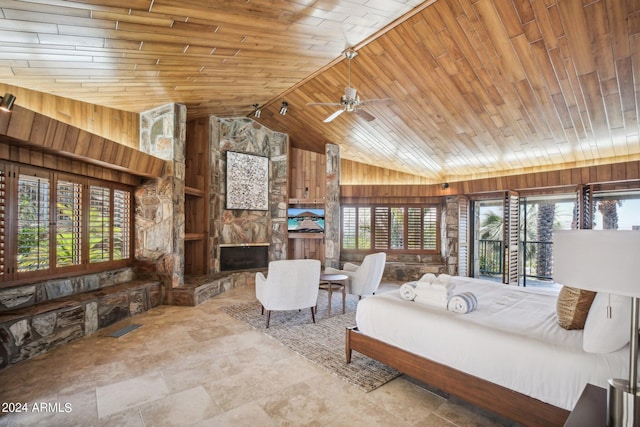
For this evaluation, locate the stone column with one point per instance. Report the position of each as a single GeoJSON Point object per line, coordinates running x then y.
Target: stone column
{"type": "Point", "coordinates": [450, 235]}
{"type": "Point", "coordinates": [332, 207]}
{"type": "Point", "coordinates": [160, 202]}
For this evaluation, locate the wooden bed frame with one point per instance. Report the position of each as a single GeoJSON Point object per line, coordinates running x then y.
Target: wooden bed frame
{"type": "Point", "coordinates": [482, 393]}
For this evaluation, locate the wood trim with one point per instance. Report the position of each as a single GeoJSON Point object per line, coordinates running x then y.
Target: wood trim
{"type": "Point", "coordinates": [495, 398]}
{"type": "Point", "coordinates": [615, 174]}
{"type": "Point", "coordinates": [23, 126]}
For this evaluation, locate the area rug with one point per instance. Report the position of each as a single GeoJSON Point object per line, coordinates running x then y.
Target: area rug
{"type": "Point", "coordinates": [322, 343]}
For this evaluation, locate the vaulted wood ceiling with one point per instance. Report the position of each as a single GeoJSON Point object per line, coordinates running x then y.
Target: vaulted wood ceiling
{"type": "Point", "coordinates": [479, 88]}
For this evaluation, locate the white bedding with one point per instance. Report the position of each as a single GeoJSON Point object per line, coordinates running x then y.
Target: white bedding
{"type": "Point", "coordinates": [511, 339]}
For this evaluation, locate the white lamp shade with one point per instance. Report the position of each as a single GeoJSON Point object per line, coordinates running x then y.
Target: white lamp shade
{"type": "Point", "coordinates": [598, 260]}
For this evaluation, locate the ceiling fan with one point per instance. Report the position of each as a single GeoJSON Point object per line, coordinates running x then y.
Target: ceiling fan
{"type": "Point", "coordinates": [350, 101]}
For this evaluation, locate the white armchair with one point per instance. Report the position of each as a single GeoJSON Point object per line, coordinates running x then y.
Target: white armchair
{"type": "Point", "coordinates": [365, 278]}
{"type": "Point", "coordinates": [289, 285]}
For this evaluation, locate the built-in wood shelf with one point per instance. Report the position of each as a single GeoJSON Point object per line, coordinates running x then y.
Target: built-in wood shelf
{"type": "Point", "coordinates": [193, 191]}
{"type": "Point", "coordinates": [306, 235]}
{"type": "Point", "coordinates": [306, 201]}
{"type": "Point", "coordinates": [194, 236]}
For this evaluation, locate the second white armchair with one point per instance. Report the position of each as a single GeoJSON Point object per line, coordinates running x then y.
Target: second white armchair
{"type": "Point", "coordinates": [365, 278]}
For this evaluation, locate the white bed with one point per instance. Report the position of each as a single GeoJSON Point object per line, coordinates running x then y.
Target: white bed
{"type": "Point", "coordinates": [512, 339]}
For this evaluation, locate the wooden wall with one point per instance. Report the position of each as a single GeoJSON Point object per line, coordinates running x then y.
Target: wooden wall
{"type": "Point", "coordinates": [356, 173]}
{"type": "Point", "coordinates": [307, 171]}
{"type": "Point", "coordinates": [307, 188]}
{"type": "Point", "coordinates": [34, 134]}
{"type": "Point", "coordinates": [620, 175]}
{"type": "Point", "coordinates": [116, 125]}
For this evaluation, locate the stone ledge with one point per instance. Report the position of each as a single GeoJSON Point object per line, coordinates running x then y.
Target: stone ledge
{"type": "Point", "coordinates": [409, 271]}
{"type": "Point", "coordinates": [198, 289]}
{"type": "Point", "coordinates": [29, 331]}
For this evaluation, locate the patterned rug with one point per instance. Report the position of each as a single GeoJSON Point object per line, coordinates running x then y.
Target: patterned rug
{"type": "Point", "coordinates": [322, 343]}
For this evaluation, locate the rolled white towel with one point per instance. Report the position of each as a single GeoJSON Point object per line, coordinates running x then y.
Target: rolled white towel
{"type": "Point", "coordinates": [428, 277]}
{"type": "Point", "coordinates": [462, 303]}
{"type": "Point", "coordinates": [408, 291]}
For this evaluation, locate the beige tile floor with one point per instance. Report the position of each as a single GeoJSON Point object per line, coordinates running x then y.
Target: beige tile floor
{"type": "Point", "coordinates": [197, 366]}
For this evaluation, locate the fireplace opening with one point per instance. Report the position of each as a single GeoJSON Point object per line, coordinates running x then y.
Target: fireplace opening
{"type": "Point", "coordinates": [244, 257]}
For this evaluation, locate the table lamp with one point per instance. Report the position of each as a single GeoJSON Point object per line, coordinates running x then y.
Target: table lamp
{"type": "Point", "coordinates": [606, 261]}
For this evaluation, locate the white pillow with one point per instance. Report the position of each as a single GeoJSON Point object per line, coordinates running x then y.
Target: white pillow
{"type": "Point", "coordinates": [604, 335]}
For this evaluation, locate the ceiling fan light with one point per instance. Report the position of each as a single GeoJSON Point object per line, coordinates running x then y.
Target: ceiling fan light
{"type": "Point", "coordinates": [284, 108]}
{"type": "Point", "coordinates": [350, 93]}
{"type": "Point", "coordinates": [7, 102]}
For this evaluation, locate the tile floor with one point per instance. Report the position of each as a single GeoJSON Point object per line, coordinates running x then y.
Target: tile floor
{"type": "Point", "coordinates": [197, 366]}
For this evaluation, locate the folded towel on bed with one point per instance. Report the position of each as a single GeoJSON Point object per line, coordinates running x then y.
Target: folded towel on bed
{"type": "Point", "coordinates": [462, 303]}
{"type": "Point", "coordinates": [408, 291]}
{"type": "Point", "coordinates": [428, 278]}
{"type": "Point", "coordinates": [444, 279]}
{"type": "Point", "coordinates": [432, 301]}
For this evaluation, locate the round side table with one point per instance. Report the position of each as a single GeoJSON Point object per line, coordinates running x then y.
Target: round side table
{"type": "Point", "coordinates": [334, 282]}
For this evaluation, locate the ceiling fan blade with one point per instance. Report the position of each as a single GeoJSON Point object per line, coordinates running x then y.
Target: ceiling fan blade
{"type": "Point", "coordinates": [332, 104]}
{"type": "Point", "coordinates": [375, 101]}
{"type": "Point", "coordinates": [368, 117]}
{"type": "Point", "coordinates": [333, 116]}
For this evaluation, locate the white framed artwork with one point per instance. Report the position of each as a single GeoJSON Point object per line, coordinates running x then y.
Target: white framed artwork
{"type": "Point", "coordinates": [247, 181]}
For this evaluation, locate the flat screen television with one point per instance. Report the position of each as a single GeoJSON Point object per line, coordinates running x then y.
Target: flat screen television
{"type": "Point", "coordinates": [305, 220]}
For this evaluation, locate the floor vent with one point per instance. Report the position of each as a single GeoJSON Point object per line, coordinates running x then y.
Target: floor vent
{"type": "Point", "coordinates": [125, 330]}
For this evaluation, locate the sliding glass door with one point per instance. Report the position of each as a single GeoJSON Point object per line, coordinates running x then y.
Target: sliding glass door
{"type": "Point", "coordinates": [540, 216]}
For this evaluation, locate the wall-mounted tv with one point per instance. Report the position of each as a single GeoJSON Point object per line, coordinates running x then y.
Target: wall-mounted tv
{"type": "Point", "coordinates": [305, 220]}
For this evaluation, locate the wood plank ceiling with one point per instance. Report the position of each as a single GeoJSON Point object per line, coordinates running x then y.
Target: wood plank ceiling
{"type": "Point", "coordinates": [480, 88]}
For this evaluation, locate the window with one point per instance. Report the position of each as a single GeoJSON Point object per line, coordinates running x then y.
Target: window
{"type": "Point", "coordinates": [390, 228]}
{"type": "Point", "coordinates": [52, 223]}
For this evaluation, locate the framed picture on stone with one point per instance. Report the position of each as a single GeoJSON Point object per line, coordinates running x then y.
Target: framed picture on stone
{"type": "Point", "coordinates": [247, 181]}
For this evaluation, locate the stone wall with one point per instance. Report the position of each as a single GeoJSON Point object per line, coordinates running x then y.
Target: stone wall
{"type": "Point", "coordinates": [243, 226]}
{"type": "Point", "coordinates": [48, 290]}
{"type": "Point", "coordinates": [332, 207]}
{"type": "Point", "coordinates": [159, 221]}
{"type": "Point", "coordinates": [28, 331]}
{"type": "Point", "coordinates": [450, 235]}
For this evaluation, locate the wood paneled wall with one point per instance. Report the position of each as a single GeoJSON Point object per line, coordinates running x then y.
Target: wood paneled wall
{"type": "Point", "coordinates": [307, 173]}
{"type": "Point", "coordinates": [116, 125]}
{"type": "Point", "coordinates": [615, 173]}
{"type": "Point", "coordinates": [34, 133]}
{"type": "Point", "coordinates": [307, 188]}
{"type": "Point", "coordinates": [354, 173]}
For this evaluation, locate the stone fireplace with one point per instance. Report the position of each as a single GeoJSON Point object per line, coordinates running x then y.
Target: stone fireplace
{"type": "Point", "coordinates": [244, 256]}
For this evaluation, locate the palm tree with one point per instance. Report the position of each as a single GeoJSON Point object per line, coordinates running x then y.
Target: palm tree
{"type": "Point", "coordinates": [609, 211]}
{"type": "Point", "coordinates": [545, 222]}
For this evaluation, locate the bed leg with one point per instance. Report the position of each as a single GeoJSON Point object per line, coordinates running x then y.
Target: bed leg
{"type": "Point", "coordinates": [348, 346]}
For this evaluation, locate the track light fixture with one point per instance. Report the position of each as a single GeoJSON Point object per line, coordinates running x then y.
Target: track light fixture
{"type": "Point", "coordinates": [256, 111]}
{"type": "Point", "coordinates": [283, 109]}
{"type": "Point", "coordinates": [6, 102]}
{"type": "Point", "coordinates": [445, 185]}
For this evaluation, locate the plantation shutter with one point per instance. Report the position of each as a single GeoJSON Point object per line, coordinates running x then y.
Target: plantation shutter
{"type": "Point", "coordinates": [34, 225]}
{"type": "Point", "coordinates": [414, 228]}
{"type": "Point", "coordinates": [381, 228]}
{"type": "Point", "coordinates": [584, 208]}
{"type": "Point", "coordinates": [3, 220]}
{"type": "Point", "coordinates": [348, 227]}
{"type": "Point", "coordinates": [68, 223]}
{"type": "Point", "coordinates": [511, 237]}
{"type": "Point", "coordinates": [430, 229]}
{"type": "Point", "coordinates": [121, 224]}
{"type": "Point", "coordinates": [99, 223]}
{"type": "Point", "coordinates": [364, 228]}
{"type": "Point", "coordinates": [463, 236]}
